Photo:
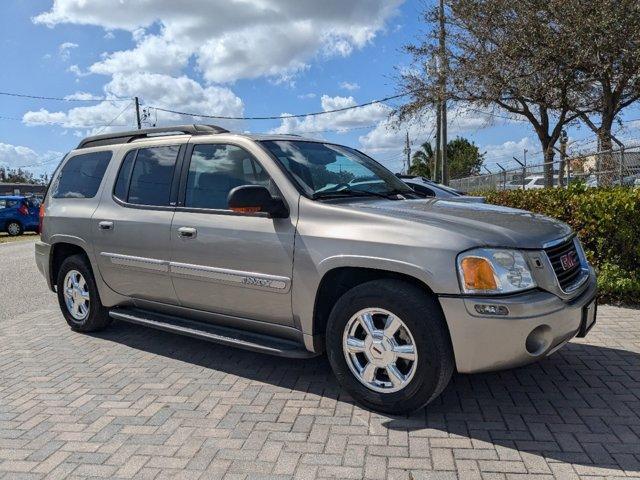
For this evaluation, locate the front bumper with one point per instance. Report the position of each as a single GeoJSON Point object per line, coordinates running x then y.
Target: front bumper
{"type": "Point", "coordinates": [43, 254]}
{"type": "Point", "coordinates": [537, 325]}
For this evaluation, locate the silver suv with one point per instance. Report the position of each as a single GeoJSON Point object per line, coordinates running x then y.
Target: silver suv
{"type": "Point", "coordinates": [295, 247]}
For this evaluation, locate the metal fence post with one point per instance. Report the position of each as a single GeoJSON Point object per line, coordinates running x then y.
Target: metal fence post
{"type": "Point", "coordinates": [621, 164]}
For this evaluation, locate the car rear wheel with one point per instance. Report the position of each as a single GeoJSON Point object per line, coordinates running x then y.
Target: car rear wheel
{"type": "Point", "coordinates": [78, 296]}
{"type": "Point", "coordinates": [14, 229]}
{"type": "Point", "coordinates": [389, 346]}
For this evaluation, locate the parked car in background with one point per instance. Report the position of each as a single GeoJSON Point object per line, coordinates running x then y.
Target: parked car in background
{"type": "Point", "coordinates": [429, 188]}
{"type": "Point", "coordinates": [18, 214]}
{"type": "Point", "coordinates": [296, 247]}
{"type": "Point", "coordinates": [533, 182]}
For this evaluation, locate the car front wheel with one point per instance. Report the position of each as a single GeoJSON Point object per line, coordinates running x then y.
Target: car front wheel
{"type": "Point", "coordinates": [14, 229]}
{"type": "Point", "coordinates": [389, 346]}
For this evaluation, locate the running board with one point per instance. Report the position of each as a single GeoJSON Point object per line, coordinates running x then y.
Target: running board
{"type": "Point", "coordinates": [213, 333]}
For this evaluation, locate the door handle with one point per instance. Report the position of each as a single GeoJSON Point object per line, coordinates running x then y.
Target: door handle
{"type": "Point", "coordinates": [105, 225]}
{"type": "Point", "coordinates": [187, 232]}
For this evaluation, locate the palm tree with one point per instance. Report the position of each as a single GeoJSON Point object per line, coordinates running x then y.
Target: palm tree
{"type": "Point", "coordinates": [422, 161]}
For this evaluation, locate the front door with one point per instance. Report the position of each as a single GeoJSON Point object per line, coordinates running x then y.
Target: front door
{"type": "Point", "coordinates": [132, 225]}
{"type": "Point", "coordinates": [226, 262]}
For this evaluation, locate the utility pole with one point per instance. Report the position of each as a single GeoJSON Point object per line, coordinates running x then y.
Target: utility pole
{"type": "Point", "coordinates": [138, 112]}
{"type": "Point", "coordinates": [444, 65]}
{"type": "Point", "coordinates": [438, 157]}
{"type": "Point", "coordinates": [564, 138]}
{"type": "Point", "coordinates": [407, 152]}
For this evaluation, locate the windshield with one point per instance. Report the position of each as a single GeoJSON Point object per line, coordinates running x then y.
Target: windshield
{"type": "Point", "coordinates": [323, 169]}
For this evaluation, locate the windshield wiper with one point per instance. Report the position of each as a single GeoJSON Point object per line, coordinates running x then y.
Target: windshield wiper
{"type": "Point", "coordinates": [347, 192]}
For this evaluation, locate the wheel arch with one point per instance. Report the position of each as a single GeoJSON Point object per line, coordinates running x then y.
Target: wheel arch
{"type": "Point", "coordinates": [62, 250]}
{"type": "Point", "coordinates": [339, 279]}
{"type": "Point", "coordinates": [6, 223]}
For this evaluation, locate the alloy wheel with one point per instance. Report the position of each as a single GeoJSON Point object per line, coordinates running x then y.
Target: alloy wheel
{"type": "Point", "coordinates": [380, 350]}
{"type": "Point", "coordinates": [76, 295]}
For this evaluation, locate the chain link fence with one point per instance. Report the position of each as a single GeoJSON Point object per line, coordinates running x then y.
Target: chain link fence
{"type": "Point", "coordinates": [604, 168]}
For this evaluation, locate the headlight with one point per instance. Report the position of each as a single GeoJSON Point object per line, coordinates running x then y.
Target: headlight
{"type": "Point", "coordinates": [492, 270]}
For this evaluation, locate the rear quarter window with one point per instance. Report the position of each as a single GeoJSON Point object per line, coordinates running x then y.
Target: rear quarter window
{"type": "Point", "coordinates": [81, 176]}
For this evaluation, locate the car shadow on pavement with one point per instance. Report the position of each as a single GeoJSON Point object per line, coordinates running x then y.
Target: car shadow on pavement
{"type": "Point", "coordinates": [580, 405]}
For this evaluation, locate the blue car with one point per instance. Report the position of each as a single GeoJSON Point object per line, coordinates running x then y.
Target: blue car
{"type": "Point", "coordinates": [18, 214]}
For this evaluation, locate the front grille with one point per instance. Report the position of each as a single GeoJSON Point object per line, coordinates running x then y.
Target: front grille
{"type": "Point", "coordinates": [566, 278]}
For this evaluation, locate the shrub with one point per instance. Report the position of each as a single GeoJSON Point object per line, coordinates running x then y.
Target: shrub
{"type": "Point", "coordinates": [607, 221]}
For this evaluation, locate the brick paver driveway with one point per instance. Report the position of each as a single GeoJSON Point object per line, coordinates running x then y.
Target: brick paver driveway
{"type": "Point", "coordinates": [136, 403]}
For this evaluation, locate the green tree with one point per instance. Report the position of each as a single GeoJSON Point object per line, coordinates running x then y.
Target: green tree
{"type": "Point", "coordinates": [504, 54]}
{"type": "Point", "coordinates": [18, 175]}
{"type": "Point", "coordinates": [422, 161]}
{"type": "Point", "coordinates": [464, 158]}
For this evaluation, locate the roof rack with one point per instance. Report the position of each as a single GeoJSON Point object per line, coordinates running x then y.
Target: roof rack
{"type": "Point", "coordinates": [130, 135]}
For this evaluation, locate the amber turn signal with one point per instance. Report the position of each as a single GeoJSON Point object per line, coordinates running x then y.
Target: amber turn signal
{"type": "Point", "coordinates": [246, 209]}
{"type": "Point", "coordinates": [478, 274]}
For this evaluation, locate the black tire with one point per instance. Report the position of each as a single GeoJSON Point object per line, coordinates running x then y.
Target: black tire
{"type": "Point", "coordinates": [14, 229]}
{"type": "Point", "coordinates": [97, 317]}
{"type": "Point", "coordinates": [423, 316]}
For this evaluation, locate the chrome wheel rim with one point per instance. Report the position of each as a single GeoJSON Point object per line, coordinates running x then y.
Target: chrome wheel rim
{"type": "Point", "coordinates": [13, 229]}
{"type": "Point", "coordinates": [380, 350]}
{"type": "Point", "coordinates": [76, 295]}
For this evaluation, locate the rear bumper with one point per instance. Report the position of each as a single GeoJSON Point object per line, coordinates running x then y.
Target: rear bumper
{"type": "Point", "coordinates": [538, 324]}
{"type": "Point", "coordinates": [43, 254]}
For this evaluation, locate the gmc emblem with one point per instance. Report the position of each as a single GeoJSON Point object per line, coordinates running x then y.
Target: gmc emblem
{"type": "Point", "coordinates": [568, 260]}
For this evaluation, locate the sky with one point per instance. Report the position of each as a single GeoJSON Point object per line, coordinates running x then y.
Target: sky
{"type": "Point", "coordinates": [237, 58]}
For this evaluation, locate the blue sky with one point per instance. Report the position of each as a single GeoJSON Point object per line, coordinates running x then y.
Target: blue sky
{"type": "Point", "coordinates": [249, 58]}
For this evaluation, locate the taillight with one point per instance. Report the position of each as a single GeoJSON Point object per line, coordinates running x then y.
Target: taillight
{"type": "Point", "coordinates": [23, 210]}
{"type": "Point", "coordinates": [40, 217]}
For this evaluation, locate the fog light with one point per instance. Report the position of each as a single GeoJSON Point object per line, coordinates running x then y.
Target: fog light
{"type": "Point", "coordinates": [492, 309]}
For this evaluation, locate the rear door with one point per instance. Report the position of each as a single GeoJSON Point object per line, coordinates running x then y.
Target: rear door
{"type": "Point", "coordinates": [132, 225]}
{"type": "Point", "coordinates": [227, 262]}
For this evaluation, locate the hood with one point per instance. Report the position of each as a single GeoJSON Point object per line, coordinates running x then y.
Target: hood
{"type": "Point", "coordinates": [485, 224]}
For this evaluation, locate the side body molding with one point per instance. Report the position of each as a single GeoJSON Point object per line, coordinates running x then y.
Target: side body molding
{"type": "Point", "coordinates": [254, 280]}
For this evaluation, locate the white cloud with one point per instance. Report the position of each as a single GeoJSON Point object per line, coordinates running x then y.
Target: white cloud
{"type": "Point", "coordinates": [229, 40]}
{"type": "Point", "coordinates": [389, 137]}
{"type": "Point", "coordinates": [16, 156]}
{"type": "Point", "coordinates": [152, 54]}
{"type": "Point", "coordinates": [82, 96]}
{"type": "Point", "coordinates": [65, 50]}
{"type": "Point", "coordinates": [338, 121]}
{"type": "Point", "coordinates": [349, 86]}
{"type": "Point", "coordinates": [77, 71]}
{"type": "Point", "coordinates": [305, 96]}
{"type": "Point", "coordinates": [177, 93]}
{"type": "Point", "coordinates": [503, 153]}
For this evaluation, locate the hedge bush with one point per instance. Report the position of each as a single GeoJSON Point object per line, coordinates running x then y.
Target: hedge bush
{"type": "Point", "coordinates": [607, 221]}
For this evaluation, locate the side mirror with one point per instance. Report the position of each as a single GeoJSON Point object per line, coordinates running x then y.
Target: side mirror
{"type": "Point", "coordinates": [256, 199]}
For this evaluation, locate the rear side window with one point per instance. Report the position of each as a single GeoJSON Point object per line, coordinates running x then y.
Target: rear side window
{"type": "Point", "coordinates": [81, 175]}
{"type": "Point", "coordinates": [121, 189]}
{"type": "Point", "coordinates": [3, 204]}
{"type": "Point", "coordinates": [145, 178]}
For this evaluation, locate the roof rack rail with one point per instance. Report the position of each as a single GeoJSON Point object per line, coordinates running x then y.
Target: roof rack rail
{"type": "Point", "coordinates": [130, 135]}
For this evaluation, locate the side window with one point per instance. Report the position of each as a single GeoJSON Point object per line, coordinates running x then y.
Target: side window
{"type": "Point", "coordinates": [121, 190]}
{"type": "Point", "coordinates": [151, 176]}
{"type": "Point", "coordinates": [3, 204]}
{"type": "Point", "coordinates": [81, 175]}
{"type": "Point", "coordinates": [215, 170]}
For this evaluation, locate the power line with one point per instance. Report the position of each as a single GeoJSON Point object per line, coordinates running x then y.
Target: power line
{"type": "Point", "coordinates": [63, 99]}
{"type": "Point", "coordinates": [113, 120]}
{"type": "Point", "coordinates": [278, 117]}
